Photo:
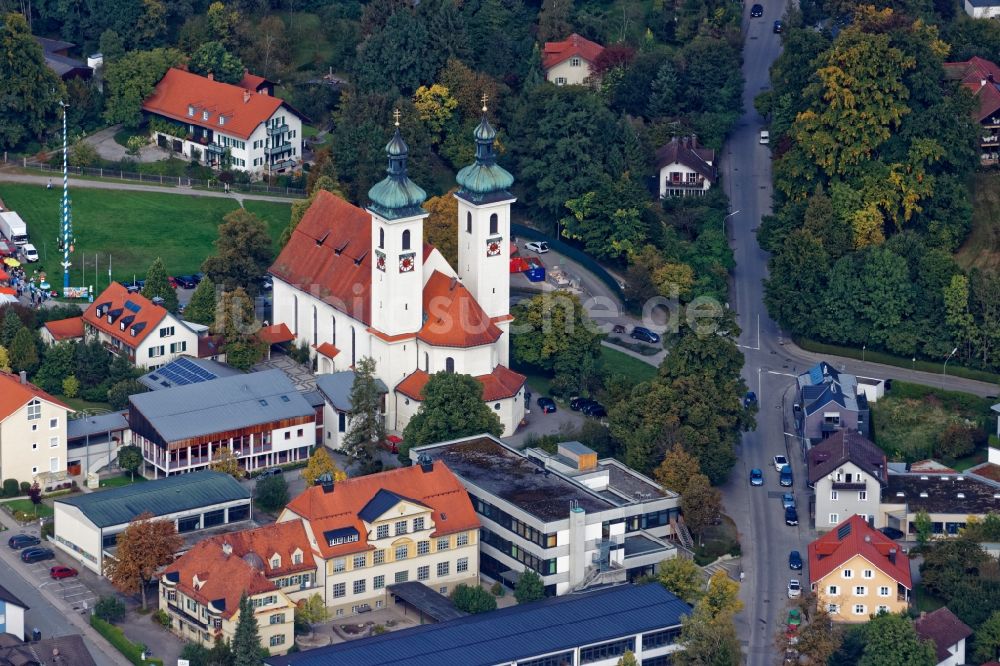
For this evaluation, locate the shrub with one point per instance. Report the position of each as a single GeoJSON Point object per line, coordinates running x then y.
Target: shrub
{"type": "Point", "coordinates": [498, 590]}
{"type": "Point", "coordinates": [110, 609]}
{"type": "Point", "coordinates": [473, 599]}
{"type": "Point", "coordinates": [956, 441]}
{"type": "Point", "coordinates": [25, 487]}
{"type": "Point", "coordinates": [160, 616]}
{"type": "Point", "coordinates": [11, 488]}
{"type": "Point", "coordinates": [48, 529]}
{"type": "Point", "coordinates": [70, 386]}
{"type": "Point", "coordinates": [271, 493]}
{"type": "Point", "coordinates": [378, 630]}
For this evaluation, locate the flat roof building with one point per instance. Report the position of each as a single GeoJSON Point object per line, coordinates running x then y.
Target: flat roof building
{"type": "Point", "coordinates": [92, 442]}
{"type": "Point", "coordinates": [575, 520]}
{"type": "Point", "coordinates": [87, 525]}
{"type": "Point", "coordinates": [594, 628]}
{"type": "Point", "coordinates": [949, 500]}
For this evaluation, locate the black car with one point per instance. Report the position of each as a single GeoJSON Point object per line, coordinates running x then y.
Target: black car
{"type": "Point", "coordinates": [891, 532]}
{"type": "Point", "coordinates": [795, 560]}
{"type": "Point", "coordinates": [791, 516]}
{"type": "Point", "coordinates": [273, 471]}
{"type": "Point", "coordinates": [547, 405]}
{"type": "Point", "coordinates": [644, 334]}
{"type": "Point", "coordinates": [757, 11]}
{"type": "Point", "coordinates": [778, 27]}
{"type": "Point", "coordinates": [37, 555]}
{"type": "Point", "coordinates": [595, 410]}
{"type": "Point", "coordinates": [19, 541]}
{"type": "Point", "coordinates": [580, 404]}
{"type": "Point", "coordinates": [749, 399]}
{"type": "Point", "coordinates": [135, 286]}
{"type": "Point", "coordinates": [185, 281]}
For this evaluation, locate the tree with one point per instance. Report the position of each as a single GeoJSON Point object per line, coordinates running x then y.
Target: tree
{"type": "Point", "coordinates": [452, 407]}
{"type": "Point", "coordinates": [119, 392]}
{"type": "Point", "coordinates": [529, 587]}
{"type": "Point", "coordinates": [201, 308]}
{"type": "Point", "coordinates": [225, 461]}
{"type": "Point", "coordinates": [130, 459]}
{"type": "Point", "coordinates": [610, 220]}
{"type": "Point", "coordinates": [819, 638]}
{"type": "Point", "coordinates": [131, 79]}
{"type": "Point", "coordinates": [242, 252]}
{"type": "Point", "coordinates": [922, 525]}
{"type": "Point", "coordinates": [701, 504]}
{"type": "Point", "coordinates": [722, 596]}
{"type": "Point", "coordinates": [143, 547]}
{"type": "Point", "coordinates": [987, 640]}
{"type": "Point", "coordinates": [30, 90]}
{"type": "Point", "coordinates": [4, 359]}
{"type": "Point", "coordinates": [35, 495]}
{"type": "Point", "coordinates": [665, 91]}
{"type": "Point", "coordinates": [707, 640]}
{"type": "Point", "coordinates": [58, 362]}
{"type": "Point", "coordinates": [677, 470]}
{"type": "Point", "coordinates": [366, 426]}
{"type": "Point", "coordinates": [213, 58]}
{"type": "Point", "coordinates": [70, 386]}
{"type": "Point", "coordinates": [110, 609]}
{"type": "Point", "coordinates": [797, 271]}
{"type": "Point", "coordinates": [271, 493]}
{"type": "Point", "coordinates": [891, 640]}
{"type": "Point", "coordinates": [948, 563]}
{"type": "Point", "coordinates": [683, 577]}
{"type": "Point", "coordinates": [246, 639]}
{"type": "Point", "coordinates": [441, 225]}
{"type": "Point", "coordinates": [236, 321]}
{"type": "Point", "coordinates": [628, 659]}
{"type": "Point", "coordinates": [24, 352]}
{"type": "Point", "coordinates": [11, 325]}
{"type": "Point", "coordinates": [82, 154]}
{"type": "Point", "coordinates": [157, 285]}
{"type": "Point", "coordinates": [554, 20]}
{"type": "Point", "coordinates": [435, 107]}
{"type": "Point", "coordinates": [321, 463]}
{"type": "Point", "coordinates": [311, 610]}
{"type": "Point", "coordinates": [399, 57]}
{"type": "Point", "coordinates": [473, 599]}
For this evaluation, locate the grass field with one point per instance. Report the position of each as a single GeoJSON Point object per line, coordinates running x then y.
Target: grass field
{"type": "Point", "coordinates": [24, 510]}
{"type": "Point", "coordinates": [120, 480]}
{"type": "Point", "coordinates": [982, 248]}
{"type": "Point", "coordinates": [130, 228]}
{"type": "Point", "coordinates": [623, 364]}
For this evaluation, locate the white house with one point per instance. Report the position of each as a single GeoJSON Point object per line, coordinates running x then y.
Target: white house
{"type": "Point", "coordinates": [848, 473]}
{"type": "Point", "coordinates": [982, 9]}
{"type": "Point", "coordinates": [32, 432]}
{"type": "Point", "coordinates": [140, 329]}
{"type": "Point", "coordinates": [336, 391]}
{"type": "Point", "coordinates": [211, 122]}
{"type": "Point", "coordinates": [353, 283]}
{"type": "Point", "coordinates": [684, 168]}
{"type": "Point", "coordinates": [571, 61]}
{"type": "Point", "coordinates": [11, 614]}
{"type": "Point", "coordinates": [948, 634]}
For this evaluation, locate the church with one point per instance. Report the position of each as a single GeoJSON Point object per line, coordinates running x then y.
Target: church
{"type": "Point", "coordinates": [355, 282]}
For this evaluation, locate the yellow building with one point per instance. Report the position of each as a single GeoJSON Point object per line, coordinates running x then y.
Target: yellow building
{"type": "Point", "coordinates": [32, 433]}
{"type": "Point", "coordinates": [856, 571]}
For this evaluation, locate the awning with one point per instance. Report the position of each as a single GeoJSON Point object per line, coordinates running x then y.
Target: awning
{"type": "Point", "coordinates": [435, 606]}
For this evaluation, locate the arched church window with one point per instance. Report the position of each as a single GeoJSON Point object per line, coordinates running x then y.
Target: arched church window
{"type": "Point", "coordinates": [468, 223]}
{"type": "Point", "coordinates": [333, 330]}
{"type": "Point", "coordinates": [449, 365]}
{"type": "Point", "coordinates": [295, 314]}
{"type": "Point", "coordinates": [315, 327]}
{"type": "Point", "coordinates": [406, 239]}
{"type": "Point", "coordinates": [381, 239]}
{"type": "Point", "coordinates": [427, 362]}
{"type": "Point", "coordinates": [494, 223]}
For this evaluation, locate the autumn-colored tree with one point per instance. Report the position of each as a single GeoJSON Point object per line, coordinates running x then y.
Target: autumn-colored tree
{"type": "Point", "coordinates": [467, 87]}
{"type": "Point", "coordinates": [701, 504]}
{"type": "Point", "coordinates": [677, 470]}
{"type": "Point", "coordinates": [226, 462]}
{"type": "Point", "coordinates": [683, 577]}
{"type": "Point", "coordinates": [4, 359]}
{"type": "Point", "coordinates": [441, 226]}
{"type": "Point", "coordinates": [321, 463]}
{"type": "Point", "coordinates": [312, 610]}
{"type": "Point", "coordinates": [435, 106]}
{"type": "Point", "coordinates": [144, 546]}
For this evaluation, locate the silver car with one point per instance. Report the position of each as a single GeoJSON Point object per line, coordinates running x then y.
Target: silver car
{"type": "Point", "coordinates": [794, 589]}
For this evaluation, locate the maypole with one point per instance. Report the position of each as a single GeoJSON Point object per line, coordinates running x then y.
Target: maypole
{"type": "Point", "coordinates": [67, 230]}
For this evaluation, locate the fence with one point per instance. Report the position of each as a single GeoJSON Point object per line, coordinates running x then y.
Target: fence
{"type": "Point", "coordinates": [169, 181]}
{"type": "Point", "coordinates": [572, 253]}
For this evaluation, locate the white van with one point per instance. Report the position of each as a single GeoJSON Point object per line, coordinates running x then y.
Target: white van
{"type": "Point", "coordinates": [29, 252]}
{"type": "Point", "coordinates": [765, 137]}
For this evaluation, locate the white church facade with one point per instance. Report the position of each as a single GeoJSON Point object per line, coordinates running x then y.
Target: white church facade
{"type": "Point", "coordinates": [355, 282]}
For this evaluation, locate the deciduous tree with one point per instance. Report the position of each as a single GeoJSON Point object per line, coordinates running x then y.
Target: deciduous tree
{"type": "Point", "coordinates": [529, 587]}
{"type": "Point", "coordinates": [701, 504]}
{"type": "Point", "coordinates": [201, 309]}
{"type": "Point", "coordinates": [144, 546]}
{"type": "Point", "coordinates": [131, 79]}
{"type": "Point", "coordinates": [242, 252]}
{"type": "Point", "coordinates": [987, 640]}
{"type": "Point", "coordinates": [321, 463]}
{"type": "Point", "coordinates": [707, 640]}
{"type": "Point", "coordinates": [4, 359]}
{"type": "Point", "coordinates": [610, 221]}
{"type": "Point", "coordinates": [213, 58]}
{"type": "Point", "coordinates": [677, 469]}
{"type": "Point", "coordinates": [130, 459]}
{"type": "Point", "coordinates": [683, 577]}
{"type": "Point", "coordinates": [891, 640]}
{"type": "Point", "coordinates": [628, 659]}
{"type": "Point", "coordinates": [473, 599]}
{"type": "Point", "coordinates": [441, 225]}
{"type": "Point", "coordinates": [58, 362]}
{"type": "Point", "coordinates": [120, 391]}
{"type": "Point", "coordinates": [452, 407]}
{"type": "Point", "coordinates": [554, 20]}
{"type": "Point", "coordinates": [24, 351]}
{"type": "Point", "coordinates": [30, 90]}
{"type": "Point", "coordinates": [311, 610]}
{"type": "Point", "coordinates": [271, 493]}
{"type": "Point", "coordinates": [225, 461]}
{"type": "Point", "coordinates": [236, 322]}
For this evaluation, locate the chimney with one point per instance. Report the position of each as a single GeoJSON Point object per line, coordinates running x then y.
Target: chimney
{"type": "Point", "coordinates": [892, 555]}
{"type": "Point", "coordinates": [227, 549]}
{"type": "Point", "coordinates": [425, 462]}
{"type": "Point", "coordinates": [211, 76]}
{"type": "Point", "coordinates": [24, 377]}
{"type": "Point", "coordinates": [246, 96]}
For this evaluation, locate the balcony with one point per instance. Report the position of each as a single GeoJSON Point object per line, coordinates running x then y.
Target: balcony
{"type": "Point", "coordinates": [277, 129]}
{"type": "Point", "coordinates": [283, 164]}
{"type": "Point", "coordinates": [214, 148]}
{"type": "Point", "coordinates": [846, 485]}
{"type": "Point", "coordinates": [277, 150]}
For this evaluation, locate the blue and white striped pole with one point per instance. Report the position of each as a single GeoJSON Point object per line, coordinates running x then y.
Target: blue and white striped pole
{"type": "Point", "coordinates": [66, 227]}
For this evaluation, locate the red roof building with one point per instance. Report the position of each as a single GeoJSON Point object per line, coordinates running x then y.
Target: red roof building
{"type": "Point", "coordinates": [982, 78]}
{"type": "Point", "coordinates": [62, 330]}
{"type": "Point", "coordinates": [32, 432]}
{"type": "Point", "coordinates": [570, 61]}
{"type": "Point", "coordinates": [947, 632]}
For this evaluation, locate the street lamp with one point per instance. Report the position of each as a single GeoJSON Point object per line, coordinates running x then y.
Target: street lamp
{"type": "Point", "coordinates": [863, 348]}
{"type": "Point", "coordinates": [724, 221]}
{"type": "Point", "coordinates": [945, 371]}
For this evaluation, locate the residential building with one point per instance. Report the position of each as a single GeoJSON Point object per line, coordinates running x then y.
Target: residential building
{"type": "Point", "coordinates": [353, 283]}
{"type": "Point", "coordinates": [87, 525]}
{"type": "Point", "coordinates": [830, 401]}
{"type": "Point", "coordinates": [336, 391]}
{"type": "Point", "coordinates": [133, 326]}
{"type": "Point", "coordinates": [981, 77]}
{"type": "Point", "coordinates": [62, 330]}
{"type": "Point", "coordinates": [370, 532]}
{"type": "Point", "coordinates": [200, 591]}
{"type": "Point", "coordinates": [856, 572]}
{"type": "Point", "coordinates": [218, 123]}
{"type": "Point", "coordinates": [574, 520]}
{"type": "Point", "coordinates": [92, 442]}
{"type": "Point", "coordinates": [595, 628]}
{"type": "Point", "coordinates": [186, 370]}
{"type": "Point", "coordinates": [571, 61]}
{"type": "Point", "coordinates": [259, 416]}
{"type": "Point", "coordinates": [56, 54]}
{"type": "Point", "coordinates": [32, 432]}
{"type": "Point", "coordinates": [948, 634]}
{"type": "Point", "coordinates": [982, 9]}
{"type": "Point", "coordinates": [685, 168]}
{"type": "Point", "coordinates": [949, 499]}
{"type": "Point", "coordinates": [58, 651]}
{"type": "Point", "coordinates": [12, 611]}
{"type": "Point", "coordinates": [848, 473]}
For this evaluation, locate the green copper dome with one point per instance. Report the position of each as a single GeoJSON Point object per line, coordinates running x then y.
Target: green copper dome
{"type": "Point", "coordinates": [396, 196]}
{"type": "Point", "coordinates": [484, 179]}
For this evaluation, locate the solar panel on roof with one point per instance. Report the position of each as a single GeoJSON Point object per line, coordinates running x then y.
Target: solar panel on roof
{"type": "Point", "coordinates": [816, 374]}
{"type": "Point", "coordinates": [132, 306]}
{"type": "Point", "coordinates": [844, 530]}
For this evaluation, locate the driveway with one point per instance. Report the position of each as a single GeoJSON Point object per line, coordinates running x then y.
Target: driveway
{"type": "Point", "coordinates": [109, 149]}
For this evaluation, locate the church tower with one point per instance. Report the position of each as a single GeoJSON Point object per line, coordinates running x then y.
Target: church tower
{"type": "Point", "coordinates": [397, 246]}
{"type": "Point", "coordinates": [484, 203]}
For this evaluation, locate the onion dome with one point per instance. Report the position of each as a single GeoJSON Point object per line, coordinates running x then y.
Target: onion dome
{"type": "Point", "coordinates": [396, 196]}
{"type": "Point", "coordinates": [484, 179]}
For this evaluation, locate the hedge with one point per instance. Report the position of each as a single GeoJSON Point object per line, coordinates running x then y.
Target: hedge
{"type": "Point", "coordinates": [115, 636]}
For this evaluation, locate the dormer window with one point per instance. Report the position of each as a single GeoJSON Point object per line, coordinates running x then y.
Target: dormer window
{"type": "Point", "coordinates": [297, 558]}
{"type": "Point", "coordinates": [204, 115]}
{"type": "Point", "coordinates": [222, 120]}
{"type": "Point", "coordinates": [190, 110]}
{"type": "Point", "coordinates": [275, 561]}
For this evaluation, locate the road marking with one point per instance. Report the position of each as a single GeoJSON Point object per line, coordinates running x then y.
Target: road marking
{"type": "Point", "coordinates": [783, 374]}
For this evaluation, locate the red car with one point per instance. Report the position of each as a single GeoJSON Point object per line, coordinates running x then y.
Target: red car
{"type": "Point", "coordinates": [63, 572]}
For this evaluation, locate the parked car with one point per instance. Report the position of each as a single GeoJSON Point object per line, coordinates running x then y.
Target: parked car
{"type": "Point", "coordinates": [794, 618]}
{"type": "Point", "coordinates": [643, 334]}
{"type": "Point", "coordinates": [749, 399]}
{"type": "Point", "coordinates": [541, 247]}
{"type": "Point", "coordinates": [19, 541]}
{"type": "Point", "coordinates": [795, 560]}
{"type": "Point", "coordinates": [787, 500]}
{"type": "Point", "coordinates": [271, 471]}
{"type": "Point", "coordinates": [37, 555]}
{"type": "Point", "coordinates": [547, 405]}
{"type": "Point", "coordinates": [756, 477]}
{"type": "Point", "coordinates": [63, 572]}
{"type": "Point", "coordinates": [785, 477]}
{"type": "Point", "coordinates": [765, 137]}
{"type": "Point", "coordinates": [778, 27]}
{"type": "Point", "coordinates": [172, 281]}
{"type": "Point", "coordinates": [185, 281]}
{"type": "Point", "coordinates": [791, 516]}
{"type": "Point", "coordinates": [779, 462]}
{"type": "Point", "coordinates": [892, 532]}
{"type": "Point", "coordinates": [757, 11]}
{"type": "Point", "coordinates": [595, 410]}
{"type": "Point", "coordinates": [794, 589]}
{"type": "Point", "coordinates": [29, 252]}
{"type": "Point", "coordinates": [135, 286]}
{"type": "Point", "coordinates": [577, 404]}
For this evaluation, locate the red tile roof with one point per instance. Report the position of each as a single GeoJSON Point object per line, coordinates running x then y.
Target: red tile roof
{"type": "Point", "coordinates": [830, 551]}
{"type": "Point", "coordinates": [438, 489]}
{"type": "Point", "coordinates": [574, 45]}
{"type": "Point", "coordinates": [275, 334]}
{"type": "Point", "coordinates": [14, 394]}
{"type": "Point", "coordinates": [942, 627]}
{"type": "Point", "coordinates": [982, 78]}
{"type": "Point", "coordinates": [253, 82]}
{"type": "Point", "coordinates": [65, 329]}
{"type": "Point", "coordinates": [327, 349]}
{"type": "Point", "coordinates": [453, 317]}
{"type": "Point", "coordinates": [243, 111]}
{"type": "Point", "coordinates": [499, 384]}
{"type": "Point", "coordinates": [134, 310]}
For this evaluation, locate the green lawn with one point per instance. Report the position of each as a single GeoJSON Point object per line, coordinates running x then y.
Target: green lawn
{"type": "Point", "coordinates": [120, 480]}
{"type": "Point", "coordinates": [623, 364]}
{"type": "Point", "coordinates": [24, 510]}
{"type": "Point", "coordinates": [132, 228]}
{"type": "Point", "coordinates": [717, 541]}
{"type": "Point", "coordinates": [275, 215]}
{"type": "Point", "coordinates": [982, 247]}
{"type": "Point", "coordinates": [81, 405]}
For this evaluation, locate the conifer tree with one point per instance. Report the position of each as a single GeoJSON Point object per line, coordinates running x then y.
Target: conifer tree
{"type": "Point", "coordinates": [158, 285]}
{"type": "Point", "coordinates": [246, 640]}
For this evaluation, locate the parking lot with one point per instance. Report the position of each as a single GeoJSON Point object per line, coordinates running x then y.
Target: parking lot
{"type": "Point", "coordinates": [75, 591]}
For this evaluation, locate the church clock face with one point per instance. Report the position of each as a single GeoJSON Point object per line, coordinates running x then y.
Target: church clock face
{"type": "Point", "coordinates": [380, 260]}
{"type": "Point", "coordinates": [406, 262]}
{"type": "Point", "coordinates": [493, 246]}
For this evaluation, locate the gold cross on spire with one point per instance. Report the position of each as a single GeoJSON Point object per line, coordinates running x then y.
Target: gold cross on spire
{"type": "Point", "coordinates": [395, 115]}
{"type": "Point", "coordinates": [484, 100]}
